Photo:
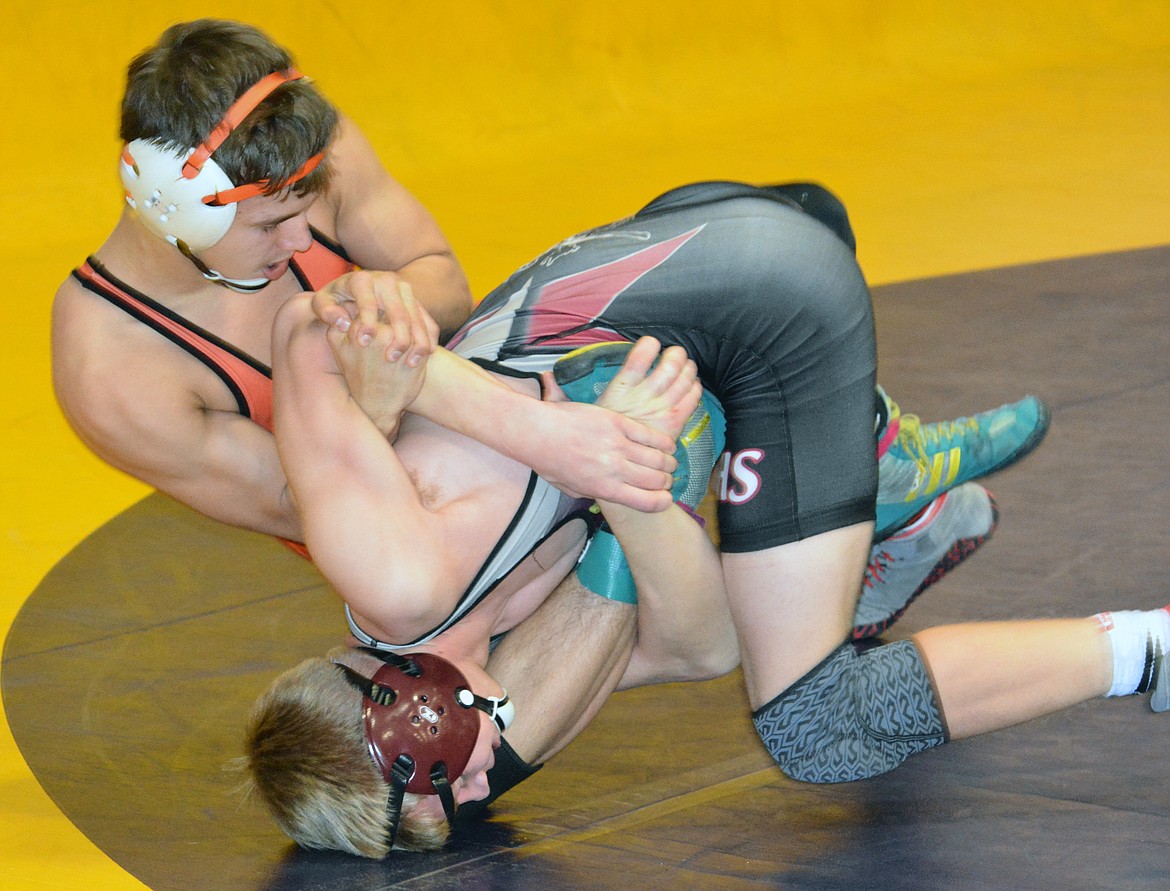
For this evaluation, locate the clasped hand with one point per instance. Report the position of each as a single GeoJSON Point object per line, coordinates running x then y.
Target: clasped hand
{"type": "Point", "coordinates": [365, 305]}
{"type": "Point", "coordinates": [381, 338]}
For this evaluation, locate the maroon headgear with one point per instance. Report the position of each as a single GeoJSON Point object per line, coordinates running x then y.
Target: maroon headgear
{"type": "Point", "coordinates": [421, 726]}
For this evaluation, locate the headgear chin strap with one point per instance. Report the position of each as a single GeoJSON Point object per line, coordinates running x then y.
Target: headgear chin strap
{"type": "Point", "coordinates": [421, 726]}
{"type": "Point", "coordinates": [500, 709]}
{"type": "Point", "coordinates": [239, 285]}
{"type": "Point", "coordinates": [183, 196]}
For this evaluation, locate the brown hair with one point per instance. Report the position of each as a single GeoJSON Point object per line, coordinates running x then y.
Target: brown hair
{"type": "Point", "coordinates": [178, 91]}
{"type": "Point", "coordinates": [306, 753]}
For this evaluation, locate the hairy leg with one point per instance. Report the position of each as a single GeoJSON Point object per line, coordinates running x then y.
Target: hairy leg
{"type": "Point", "coordinates": [560, 665]}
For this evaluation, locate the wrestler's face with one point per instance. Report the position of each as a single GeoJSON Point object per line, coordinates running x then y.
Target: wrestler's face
{"type": "Point", "coordinates": [265, 233]}
{"type": "Point", "coordinates": [472, 784]}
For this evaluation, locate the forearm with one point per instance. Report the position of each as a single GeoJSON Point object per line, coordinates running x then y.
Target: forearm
{"type": "Point", "coordinates": [439, 284]}
{"type": "Point", "coordinates": [584, 450]}
{"type": "Point", "coordinates": [276, 516]}
{"type": "Point", "coordinates": [290, 516]}
{"type": "Point", "coordinates": [246, 493]}
{"type": "Point", "coordinates": [463, 397]}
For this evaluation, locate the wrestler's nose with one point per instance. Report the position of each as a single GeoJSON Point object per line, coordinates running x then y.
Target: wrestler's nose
{"type": "Point", "coordinates": [295, 235]}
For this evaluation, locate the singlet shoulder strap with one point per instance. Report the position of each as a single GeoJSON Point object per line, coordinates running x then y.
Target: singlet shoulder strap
{"type": "Point", "coordinates": [249, 380]}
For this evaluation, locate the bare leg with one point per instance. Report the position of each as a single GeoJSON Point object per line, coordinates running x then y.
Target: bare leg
{"type": "Point", "coordinates": [793, 605]}
{"type": "Point", "coordinates": [684, 625]}
{"type": "Point", "coordinates": [685, 631]}
{"type": "Point", "coordinates": [991, 675]}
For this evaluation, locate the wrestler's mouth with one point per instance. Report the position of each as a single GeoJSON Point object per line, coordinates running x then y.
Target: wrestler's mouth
{"type": "Point", "coordinates": [273, 271]}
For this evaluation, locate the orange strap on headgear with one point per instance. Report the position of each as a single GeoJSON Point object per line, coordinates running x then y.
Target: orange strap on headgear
{"type": "Point", "coordinates": [235, 115]}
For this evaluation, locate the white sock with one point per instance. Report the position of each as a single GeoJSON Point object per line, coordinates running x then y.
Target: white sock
{"type": "Point", "coordinates": [1138, 638]}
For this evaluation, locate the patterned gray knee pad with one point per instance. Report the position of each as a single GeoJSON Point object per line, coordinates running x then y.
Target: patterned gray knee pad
{"type": "Point", "coordinates": [853, 716]}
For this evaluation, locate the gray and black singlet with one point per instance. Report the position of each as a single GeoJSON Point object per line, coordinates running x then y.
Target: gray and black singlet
{"type": "Point", "coordinates": [761, 287]}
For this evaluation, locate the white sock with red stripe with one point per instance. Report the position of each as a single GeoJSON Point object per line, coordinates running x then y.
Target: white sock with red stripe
{"type": "Point", "coordinates": [1138, 639]}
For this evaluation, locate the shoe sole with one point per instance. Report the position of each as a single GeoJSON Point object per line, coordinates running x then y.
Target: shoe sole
{"type": "Point", "coordinates": [1022, 451]}
{"type": "Point", "coordinates": [958, 552]}
{"type": "Point", "coordinates": [1160, 700]}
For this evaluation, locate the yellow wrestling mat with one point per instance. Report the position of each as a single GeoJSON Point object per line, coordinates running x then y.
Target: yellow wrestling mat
{"type": "Point", "coordinates": [959, 139]}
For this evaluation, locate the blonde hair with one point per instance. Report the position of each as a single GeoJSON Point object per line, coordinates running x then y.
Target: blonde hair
{"type": "Point", "coordinates": [307, 759]}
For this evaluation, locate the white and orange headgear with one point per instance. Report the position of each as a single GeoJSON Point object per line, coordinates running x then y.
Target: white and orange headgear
{"type": "Point", "coordinates": [185, 197]}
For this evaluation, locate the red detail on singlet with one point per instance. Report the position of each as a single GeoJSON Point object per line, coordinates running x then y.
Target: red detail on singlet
{"type": "Point", "coordinates": [581, 298]}
{"type": "Point", "coordinates": [249, 380]}
{"type": "Point", "coordinates": [324, 261]}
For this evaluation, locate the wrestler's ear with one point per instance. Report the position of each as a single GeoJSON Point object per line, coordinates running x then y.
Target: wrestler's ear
{"type": "Point", "coordinates": [550, 389]}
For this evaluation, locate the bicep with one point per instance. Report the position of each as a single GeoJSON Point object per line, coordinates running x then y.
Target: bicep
{"type": "Point", "coordinates": [219, 463]}
{"type": "Point", "coordinates": [383, 226]}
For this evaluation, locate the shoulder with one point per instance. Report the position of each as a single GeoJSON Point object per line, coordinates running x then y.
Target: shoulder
{"type": "Point", "coordinates": [360, 185]}
{"type": "Point", "coordinates": [351, 153]}
{"type": "Point", "coordinates": [84, 327]}
{"type": "Point", "coordinates": [355, 169]}
{"type": "Point", "coordinates": [117, 381]}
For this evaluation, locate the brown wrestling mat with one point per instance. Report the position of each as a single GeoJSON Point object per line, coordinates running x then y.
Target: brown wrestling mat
{"type": "Point", "coordinates": [130, 670]}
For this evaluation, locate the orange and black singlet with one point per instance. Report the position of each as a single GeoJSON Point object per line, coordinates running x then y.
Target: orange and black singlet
{"type": "Point", "coordinates": [249, 380]}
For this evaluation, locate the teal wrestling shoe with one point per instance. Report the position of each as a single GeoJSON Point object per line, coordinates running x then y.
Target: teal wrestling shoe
{"type": "Point", "coordinates": [917, 462]}
{"type": "Point", "coordinates": [585, 373]}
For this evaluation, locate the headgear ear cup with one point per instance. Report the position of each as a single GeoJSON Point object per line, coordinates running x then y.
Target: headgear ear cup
{"type": "Point", "coordinates": [170, 205]}
{"type": "Point", "coordinates": [182, 195]}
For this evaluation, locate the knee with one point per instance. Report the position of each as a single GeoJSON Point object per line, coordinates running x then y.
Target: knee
{"type": "Point", "coordinates": [716, 655]}
{"type": "Point", "coordinates": [852, 717]}
{"type": "Point", "coordinates": [710, 664]}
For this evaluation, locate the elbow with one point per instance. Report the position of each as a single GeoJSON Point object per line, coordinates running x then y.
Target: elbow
{"type": "Point", "coordinates": [456, 308]}
{"type": "Point", "coordinates": [396, 605]}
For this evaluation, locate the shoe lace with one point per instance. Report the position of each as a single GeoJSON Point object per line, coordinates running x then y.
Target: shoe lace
{"type": "Point", "coordinates": [915, 437]}
{"type": "Point", "coordinates": [879, 562]}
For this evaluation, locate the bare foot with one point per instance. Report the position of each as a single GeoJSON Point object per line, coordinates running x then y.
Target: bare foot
{"type": "Point", "coordinates": [382, 389]}
{"type": "Point", "coordinates": [661, 396]}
